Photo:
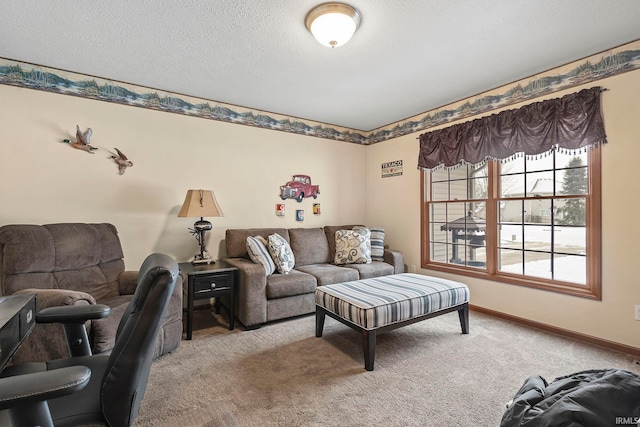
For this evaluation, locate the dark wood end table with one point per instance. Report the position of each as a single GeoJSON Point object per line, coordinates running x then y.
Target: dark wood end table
{"type": "Point", "coordinates": [209, 281]}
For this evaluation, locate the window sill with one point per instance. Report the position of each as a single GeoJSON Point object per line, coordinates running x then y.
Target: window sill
{"type": "Point", "coordinates": [514, 279]}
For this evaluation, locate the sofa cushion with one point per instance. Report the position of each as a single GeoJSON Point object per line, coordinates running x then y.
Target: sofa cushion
{"type": "Point", "coordinates": [353, 246]}
{"type": "Point", "coordinates": [288, 285]}
{"type": "Point", "coordinates": [281, 253]}
{"type": "Point", "coordinates": [258, 252]}
{"type": "Point", "coordinates": [83, 257]}
{"type": "Point", "coordinates": [327, 274]}
{"type": "Point", "coordinates": [309, 245]}
{"type": "Point", "coordinates": [236, 239]}
{"type": "Point", "coordinates": [373, 269]}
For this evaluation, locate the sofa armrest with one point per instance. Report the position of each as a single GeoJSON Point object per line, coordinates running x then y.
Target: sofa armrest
{"type": "Point", "coordinates": [396, 259]}
{"type": "Point", "coordinates": [251, 292]}
{"type": "Point", "coordinates": [127, 282]}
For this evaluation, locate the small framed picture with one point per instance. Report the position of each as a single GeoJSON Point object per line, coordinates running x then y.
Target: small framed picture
{"type": "Point", "coordinates": [299, 215]}
{"type": "Point", "coordinates": [280, 209]}
{"type": "Point", "coordinates": [316, 208]}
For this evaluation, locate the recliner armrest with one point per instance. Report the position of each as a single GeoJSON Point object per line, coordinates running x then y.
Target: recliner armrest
{"type": "Point", "coordinates": [72, 313]}
{"type": "Point", "coordinates": [40, 386]}
{"type": "Point", "coordinates": [58, 297]}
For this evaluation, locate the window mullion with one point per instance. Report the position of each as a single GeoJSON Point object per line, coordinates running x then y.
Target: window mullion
{"type": "Point", "coordinates": [491, 234]}
{"type": "Point", "coordinates": [594, 223]}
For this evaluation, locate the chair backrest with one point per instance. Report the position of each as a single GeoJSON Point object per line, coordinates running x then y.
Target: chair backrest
{"type": "Point", "coordinates": [127, 373]}
{"type": "Point", "coordinates": [73, 256]}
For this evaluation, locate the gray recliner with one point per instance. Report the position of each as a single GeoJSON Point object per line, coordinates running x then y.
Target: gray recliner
{"type": "Point", "coordinates": [75, 264]}
{"type": "Point", "coordinates": [97, 389]}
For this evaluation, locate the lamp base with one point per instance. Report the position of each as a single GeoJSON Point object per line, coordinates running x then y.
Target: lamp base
{"type": "Point", "coordinates": [199, 228]}
{"type": "Point", "coordinates": [198, 260]}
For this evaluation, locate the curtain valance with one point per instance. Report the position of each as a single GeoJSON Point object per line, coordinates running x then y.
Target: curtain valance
{"type": "Point", "coordinates": [572, 122]}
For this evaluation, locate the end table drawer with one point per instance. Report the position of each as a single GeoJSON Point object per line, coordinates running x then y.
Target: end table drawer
{"type": "Point", "coordinates": [205, 285]}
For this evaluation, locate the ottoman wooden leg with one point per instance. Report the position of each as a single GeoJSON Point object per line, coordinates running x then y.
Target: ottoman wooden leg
{"type": "Point", "coordinates": [319, 321]}
{"type": "Point", "coordinates": [463, 314]}
{"type": "Point", "coordinates": [369, 344]}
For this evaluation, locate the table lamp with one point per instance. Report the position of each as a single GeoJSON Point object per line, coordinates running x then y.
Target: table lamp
{"type": "Point", "coordinates": [200, 203]}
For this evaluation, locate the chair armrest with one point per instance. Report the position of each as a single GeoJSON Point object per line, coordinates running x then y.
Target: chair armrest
{"type": "Point", "coordinates": [72, 313]}
{"type": "Point", "coordinates": [127, 282]}
{"type": "Point", "coordinates": [40, 386]}
{"type": "Point", "coordinates": [48, 341]}
{"type": "Point", "coordinates": [73, 319]}
{"type": "Point", "coordinates": [396, 259]}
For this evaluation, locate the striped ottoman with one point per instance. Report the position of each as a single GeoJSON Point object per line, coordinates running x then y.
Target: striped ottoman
{"type": "Point", "coordinates": [384, 303]}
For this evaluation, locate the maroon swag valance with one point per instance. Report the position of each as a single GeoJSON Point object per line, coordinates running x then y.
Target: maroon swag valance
{"type": "Point", "coordinates": [572, 122]}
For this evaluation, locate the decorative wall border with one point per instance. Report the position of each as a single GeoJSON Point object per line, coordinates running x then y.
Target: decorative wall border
{"type": "Point", "coordinates": [605, 64]}
{"type": "Point", "coordinates": [595, 67]}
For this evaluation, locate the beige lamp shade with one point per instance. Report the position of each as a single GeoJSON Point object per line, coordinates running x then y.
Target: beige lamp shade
{"type": "Point", "coordinates": [200, 203]}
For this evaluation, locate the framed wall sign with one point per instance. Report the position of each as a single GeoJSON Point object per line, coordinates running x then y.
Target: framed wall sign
{"type": "Point", "coordinates": [392, 169]}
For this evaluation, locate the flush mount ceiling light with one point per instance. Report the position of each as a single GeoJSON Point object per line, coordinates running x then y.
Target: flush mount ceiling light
{"type": "Point", "coordinates": [333, 24]}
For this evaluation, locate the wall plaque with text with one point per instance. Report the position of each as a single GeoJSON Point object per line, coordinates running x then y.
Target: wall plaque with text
{"type": "Point", "coordinates": [392, 169]}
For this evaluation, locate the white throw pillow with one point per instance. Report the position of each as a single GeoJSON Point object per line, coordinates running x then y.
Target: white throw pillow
{"type": "Point", "coordinates": [258, 252]}
{"type": "Point", "coordinates": [353, 247]}
{"type": "Point", "coordinates": [281, 253]}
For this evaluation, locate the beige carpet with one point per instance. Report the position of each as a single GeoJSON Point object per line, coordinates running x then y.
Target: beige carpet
{"type": "Point", "coordinates": [426, 374]}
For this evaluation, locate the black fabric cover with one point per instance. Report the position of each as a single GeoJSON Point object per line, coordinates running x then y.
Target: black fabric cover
{"type": "Point", "coordinates": [605, 397]}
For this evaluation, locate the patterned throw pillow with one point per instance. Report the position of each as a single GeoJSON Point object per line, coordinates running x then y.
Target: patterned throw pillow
{"type": "Point", "coordinates": [281, 253]}
{"type": "Point", "coordinates": [258, 252]}
{"type": "Point", "coordinates": [353, 247]}
{"type": "Point", "coordinates": [377, 242]}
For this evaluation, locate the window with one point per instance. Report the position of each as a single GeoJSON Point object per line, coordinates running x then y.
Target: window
{"type": "Point", "coordinates": [458, 215]}
{"type": "Point", "coordinates": [525, 221]}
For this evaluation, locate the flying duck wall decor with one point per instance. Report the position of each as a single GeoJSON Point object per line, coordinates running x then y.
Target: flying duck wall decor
{"type": "Point", "coordinates": [122, 161]}
{"type": "Point", "coordinates": [83, 140]}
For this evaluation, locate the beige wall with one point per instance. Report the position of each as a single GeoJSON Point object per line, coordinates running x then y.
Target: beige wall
{"type": "Point", "coordinates": [395, 202]}
{"type": "Point", "coordinates": [45, 181]}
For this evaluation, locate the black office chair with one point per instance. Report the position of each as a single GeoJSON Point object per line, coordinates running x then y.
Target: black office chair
{"type": "Point", "coordinates": [101, 389]}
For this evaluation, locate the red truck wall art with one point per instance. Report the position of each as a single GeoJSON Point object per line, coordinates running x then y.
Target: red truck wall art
{"type": "Point", "coordinates": [298, 188]}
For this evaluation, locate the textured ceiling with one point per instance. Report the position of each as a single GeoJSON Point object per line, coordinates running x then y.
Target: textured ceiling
{"type": "Point", "coordinates": [408, 56]}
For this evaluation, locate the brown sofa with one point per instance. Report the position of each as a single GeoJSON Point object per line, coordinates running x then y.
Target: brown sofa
{"type": "Point", "coordinates": [261, 298]}
{"type": "Point", "coordinates": [72, 264]}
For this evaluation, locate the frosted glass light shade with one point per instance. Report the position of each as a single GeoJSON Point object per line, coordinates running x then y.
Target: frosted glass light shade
{"type": "Point", "coordinates": [333, 24]}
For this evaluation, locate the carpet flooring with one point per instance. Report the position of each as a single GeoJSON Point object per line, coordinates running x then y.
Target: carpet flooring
{"type": "Point", "coordinates": [426, 374]}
